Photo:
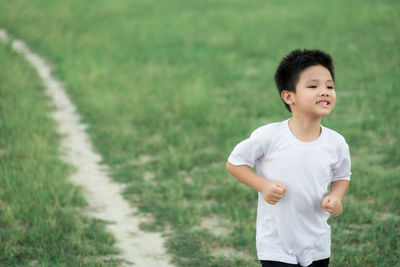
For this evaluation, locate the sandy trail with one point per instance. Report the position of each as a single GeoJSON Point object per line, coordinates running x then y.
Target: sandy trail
{"type": "Point", "coordinates": [103, 195]}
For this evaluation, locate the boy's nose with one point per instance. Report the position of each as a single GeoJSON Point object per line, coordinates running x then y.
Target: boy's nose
{"type": "Point", "coordinates": [324, 92]}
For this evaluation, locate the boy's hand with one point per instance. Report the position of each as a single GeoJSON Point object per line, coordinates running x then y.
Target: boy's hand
{"type": "Point", "coordinates": [333, 205]}
{"type": "Point", "coordinates": [273, 192]}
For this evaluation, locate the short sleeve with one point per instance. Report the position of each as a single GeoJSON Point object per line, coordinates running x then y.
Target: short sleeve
{"type": "Point", "coordinates": [341, 170]}
{"type": "Point", "coordinates": [247, 152]}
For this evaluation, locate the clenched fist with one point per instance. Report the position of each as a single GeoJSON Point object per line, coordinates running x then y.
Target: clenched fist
{"type": "Point", "coordinates": [333, 205]}
{"type": "Point", "coordinates": [273, 192]}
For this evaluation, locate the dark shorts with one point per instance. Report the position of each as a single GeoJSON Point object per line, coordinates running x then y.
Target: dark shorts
{"type": "Point", "coordinates": [320, 263]}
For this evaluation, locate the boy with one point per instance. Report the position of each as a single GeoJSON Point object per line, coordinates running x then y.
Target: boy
{"type": "Point", "coordinates": [296, 160]}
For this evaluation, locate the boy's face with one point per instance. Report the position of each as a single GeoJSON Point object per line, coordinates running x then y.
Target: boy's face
{"type": "Point", "coordinates": [315, 94]}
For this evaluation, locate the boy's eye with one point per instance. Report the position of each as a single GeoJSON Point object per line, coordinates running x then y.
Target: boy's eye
{"type": "Point", "coordinates": [312, 86]}
{"type": "Point", "coordinates": [330, 87]}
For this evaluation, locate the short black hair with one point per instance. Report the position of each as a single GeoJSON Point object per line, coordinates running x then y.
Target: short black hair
{"type": "Point", "coordinates": [288, 72]}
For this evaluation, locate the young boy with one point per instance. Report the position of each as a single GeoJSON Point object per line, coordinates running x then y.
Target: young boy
{"type": "Point", "coordinates": [296, 160]}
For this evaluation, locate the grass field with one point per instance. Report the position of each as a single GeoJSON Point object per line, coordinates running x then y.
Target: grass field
{"type": "Point", "coordinates": [167, 89]}
{"type": "Point", "coordinates": [41, 222]}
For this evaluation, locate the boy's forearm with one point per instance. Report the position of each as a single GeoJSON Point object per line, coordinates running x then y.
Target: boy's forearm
{"type": "Point", "coordinates": [247, 176]}
{"type": "Point", "coordinates": [339, 188]}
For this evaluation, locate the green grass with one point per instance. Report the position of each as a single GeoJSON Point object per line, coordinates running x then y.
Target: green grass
{"type": "Point", "coordinates": [184, 81]}
{"type": "Point", "coordinates": [41, 221]}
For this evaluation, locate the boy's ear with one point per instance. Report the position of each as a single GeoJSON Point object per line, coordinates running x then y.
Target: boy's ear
{"type": "Point", "coordinates": [287, 97]}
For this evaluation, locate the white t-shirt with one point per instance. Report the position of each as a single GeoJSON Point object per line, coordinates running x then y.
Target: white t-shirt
{"type": "Point", "coordinates": [295, 230]}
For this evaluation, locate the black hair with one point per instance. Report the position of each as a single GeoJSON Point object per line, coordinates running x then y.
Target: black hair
{"type": "Point", "coordinates": [288, 72]}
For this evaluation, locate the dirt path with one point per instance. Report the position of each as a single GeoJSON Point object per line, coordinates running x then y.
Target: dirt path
{"type": "Point", "coordinates": [103, 195]}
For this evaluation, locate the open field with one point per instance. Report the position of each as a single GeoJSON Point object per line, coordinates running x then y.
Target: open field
{"type": "Point", "coordinates": [167, 89]}
{"type": "Point", "coordinates": [41, 221]}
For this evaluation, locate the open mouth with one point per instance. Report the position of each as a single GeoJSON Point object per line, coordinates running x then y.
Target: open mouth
{"type": "Point", "coordinates": [323, 103]}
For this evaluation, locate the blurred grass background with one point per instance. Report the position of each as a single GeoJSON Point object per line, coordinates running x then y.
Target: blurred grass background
{"type": "Point", "coordinates": [168, 88]}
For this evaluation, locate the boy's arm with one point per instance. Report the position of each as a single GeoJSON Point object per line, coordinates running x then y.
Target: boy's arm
{"type": "Point", "coordinates": [339, 188]}
{"type": "Point", "coordinates": [333, 202]}
{"type": "Point", "coordinates": [272, 191]}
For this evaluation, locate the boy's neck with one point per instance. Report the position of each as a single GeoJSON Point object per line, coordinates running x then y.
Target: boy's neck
{"type": "Point", "coordinates": [305, 129]}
